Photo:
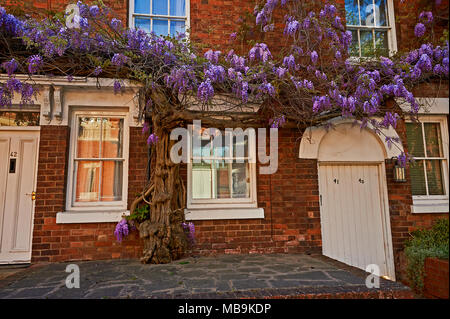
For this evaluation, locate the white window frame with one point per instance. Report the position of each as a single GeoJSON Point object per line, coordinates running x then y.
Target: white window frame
{"type": "Point", "coordinates": [435, 203]}
{"type": "Point", "coordinates": [187, 17]}
{"type": "Point", "coordinates": [120, 207]}
{"type": "Point", "coordinates": [391, 33]}
{"type": "Point", "coordinates": [224, 208]}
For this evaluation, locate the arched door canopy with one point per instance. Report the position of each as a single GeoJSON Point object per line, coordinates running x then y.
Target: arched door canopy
{"type": "Point", "coordinates": [348, 143]}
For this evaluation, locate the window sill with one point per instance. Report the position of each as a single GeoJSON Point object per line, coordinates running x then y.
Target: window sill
{"type": "Point", "coordinates": [228, 213]}
{"type": "Point", "coordinates": [77, 217]}
{"type": "Point", "coordinates": [429, 207]}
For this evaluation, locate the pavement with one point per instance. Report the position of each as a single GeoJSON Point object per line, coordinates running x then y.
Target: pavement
{"type": "Point", "coordinates": [224, 276]}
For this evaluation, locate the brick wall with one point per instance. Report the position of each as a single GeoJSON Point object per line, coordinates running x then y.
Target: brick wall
{"type": "Point", "coordinates": [62, 242]}
{"type": "Point", "coordinates": [436, 273]}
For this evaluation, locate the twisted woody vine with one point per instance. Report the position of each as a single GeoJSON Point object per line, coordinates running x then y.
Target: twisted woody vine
{"type": "Point", "coordinates": [308, 82]}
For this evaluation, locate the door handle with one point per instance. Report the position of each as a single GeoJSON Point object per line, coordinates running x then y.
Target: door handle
{"type": "Point", "coordinates": [33, 195]}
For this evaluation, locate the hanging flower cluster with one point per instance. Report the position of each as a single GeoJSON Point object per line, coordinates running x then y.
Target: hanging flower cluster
{"type": "Point", "coordinates": [122, 230]}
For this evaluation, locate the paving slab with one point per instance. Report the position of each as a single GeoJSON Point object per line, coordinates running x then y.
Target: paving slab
{"type": "Point", "coordinates": [237, 276]}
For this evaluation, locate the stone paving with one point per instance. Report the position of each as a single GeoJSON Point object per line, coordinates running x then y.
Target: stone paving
{"type": "Point", "coordinates": [226, 276]}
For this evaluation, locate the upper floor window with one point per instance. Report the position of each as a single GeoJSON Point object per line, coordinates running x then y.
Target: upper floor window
{"type": "Point", "coordinates": [372, 25]}
{"type": "Point", "coordinates": [164, 17]}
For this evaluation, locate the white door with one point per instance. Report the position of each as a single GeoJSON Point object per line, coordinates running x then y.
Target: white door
{"type": "Point", "coordinates": [18, 158]}
{"type": "Point", "coordinates": [352, 213]}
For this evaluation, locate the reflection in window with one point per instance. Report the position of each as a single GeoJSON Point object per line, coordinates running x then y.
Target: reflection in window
{"type": "Point", "coordinates": [163, 17]}
{"type": "Point", "coordinates": [19, 118]}
{"type": "Point", "coordinates": [369, 24]}
{"type": "Point", "coordinates": [220, 167]}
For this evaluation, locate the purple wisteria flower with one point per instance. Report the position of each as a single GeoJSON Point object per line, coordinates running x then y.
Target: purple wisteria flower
{"type": "Point", "coordinates": [213, 56]}
{"type": "Point", "coordinates": [97, 71]}
{"type": "Point", "coordinates": [117, 86]}
{"type": "Point", "coordinates": [314, 57]}
{"type": "Point", "coordinates": [426, 17]}
{"type": "Point", "coordinates": [277, 122]}
{"type": "Point", "coordinates": [145, 128]}
{"type": "Point", "coordinates": [152, 139]}
{"type": "Point", "coordinates": [419, 30]}
{"type": "Point", "coordinates": [205, 91]}
{"type": "Point", "coordinates": [34, 63]}
{"type": "Point", "coordinates": [10, 66]}
{"type": "Point", "coordinates": [189, 229]}
{"type": "Point", "coordinates": [121, 230]}
{"type": "Point", "coordinates": [94, 10]}
{"type": "Point", "coordinates": [116, 23]}
{"type": "Point", "coordinates": [119, 59]}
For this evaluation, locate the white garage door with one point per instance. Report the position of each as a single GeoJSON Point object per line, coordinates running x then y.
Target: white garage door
{"type": "Point", "coordinates": [352, 215]}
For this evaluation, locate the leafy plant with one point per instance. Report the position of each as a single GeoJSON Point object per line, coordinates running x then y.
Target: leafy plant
{"type": "Point", "coordinates": [140, 214]}
{"type": "Point", "coordinates": [425, 243]}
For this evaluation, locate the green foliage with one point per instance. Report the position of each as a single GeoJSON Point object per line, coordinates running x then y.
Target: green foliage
{"type": "Point", "coordinates": [140, 214]}
{"type": "Point", "coordinates": [425, 243]}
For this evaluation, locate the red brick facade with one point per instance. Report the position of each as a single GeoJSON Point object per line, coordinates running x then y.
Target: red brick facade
{"type": "Point", "coordinates": [290, 197]}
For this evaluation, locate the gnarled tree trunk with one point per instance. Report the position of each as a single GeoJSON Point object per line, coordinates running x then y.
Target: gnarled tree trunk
{"type": "Point", "coordinates": [163, 234]}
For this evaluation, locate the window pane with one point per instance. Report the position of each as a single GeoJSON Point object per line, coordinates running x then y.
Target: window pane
{"type": "Point", "coordinates": [220, 148]}
{"type": "Point", "coordinates": [367, 12]}
{"type": "Point", "coordinates": [241, 180]}
{"type": "Point", "coordinates": [160, 27]}
{"type": "Point", "coordinates": [142, 6]}
{"type": "Point", "coordinates": [87, 181]}
{"type": "Point", "coordinates": [366, 43]}
{"type": "Point", "coordinates": [112, 137]}
{"type": "Point", "coordinates": [222, 179]}
{"type": "Point", "coordinates": [240, 146]}
{"type": "Point", "coordinates": [14, 118]}
{"type": "Point", "coordinates": [414, 139]}
{"type": "Point", "coordinates": [381, 43]}
{"type": "Point", "coordinates": [160, 7]}
{"type": "Point", "coordinates": [434, 177]}
{"type": "Point", "coordinates": [418, 186]}
{"type": "Point", "coordinates": [381, 16]}
{"type": "Point", "coordinates": [88, 142]}
{"type": "Point", "coordinates": [204, 150]}
{"type": "Point", "coordinates": [176, 27]}
{"type": "Point", "coordinates": [177, 8]}
{"type": "Point", "coordinates": [351, 12]}
{"type": "Point", "coordinates": [354, 46]}
{"type": "Point", "coordinates": [201, 180]}
{"type": "Point", "coordinates": [144, 24]}
{"type": "Point", "coordinates": [112, 172]}
{"type": "Point", "coordinates": [433, 142]}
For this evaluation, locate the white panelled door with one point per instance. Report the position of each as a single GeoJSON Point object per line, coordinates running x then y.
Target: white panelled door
{"type": "Point", "coordinates": [18, 156]}
{"type": "Point", "coordinates": [352, 211]}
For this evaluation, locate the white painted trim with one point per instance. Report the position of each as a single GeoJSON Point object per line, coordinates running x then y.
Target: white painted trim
{"type": "Point", "coordinates": [76, 217]}
{"type": "Point", "coordinates": [427, 105]}
{"type": "Point", "coordinates": [216, 214]}
{"type": "Point", "coordinates": [429, 208]}
{"type": "Point", "coordinates": [312, 137]}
